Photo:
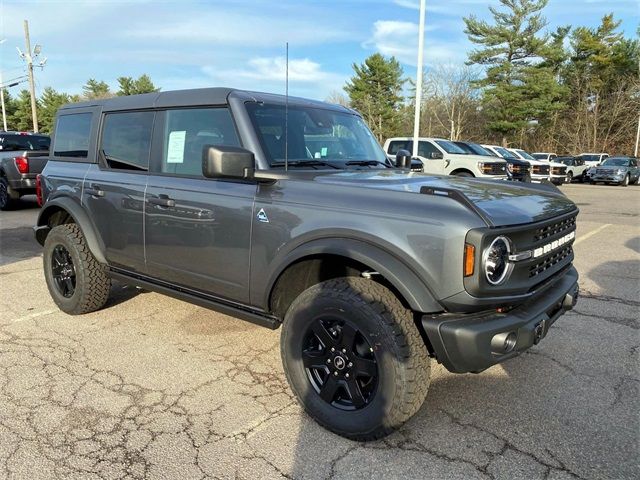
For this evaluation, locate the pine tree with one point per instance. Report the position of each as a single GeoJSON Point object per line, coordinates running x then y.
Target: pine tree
{"type": "Point", "coordinates": [519, 87]}
{"type": "Point", "coordinates": [95, 89]}
{"type": "Point", "coordinates": [50, 101]}
{"type": "Point", "coordinates": [129, 86]}
{"type": "Point", "coordinates": [21, 118]}
{"type": "Point", "coordinates": [376, 92]}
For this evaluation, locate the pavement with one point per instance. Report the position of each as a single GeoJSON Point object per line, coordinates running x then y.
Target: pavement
{"type": "Point", "coordinates": [151, 387]}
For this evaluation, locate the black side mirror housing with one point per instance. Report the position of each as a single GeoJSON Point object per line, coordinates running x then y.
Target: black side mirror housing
{"type": "Point", "coordinates": [223, 161]}
{"type": "Point", "coordinates": [436, 156]}
{"type": "Point", "coordinates": [403, 159]}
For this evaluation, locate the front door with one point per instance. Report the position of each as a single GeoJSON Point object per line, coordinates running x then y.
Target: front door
{"type": "Point", "coordinates": [197, 230]}
{"type": "Point", "coordinates": [113, 191]}
{"type": "Point", "coordinates": [431, 165]}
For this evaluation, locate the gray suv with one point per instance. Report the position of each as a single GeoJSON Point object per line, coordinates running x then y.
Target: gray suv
{"type": "Point", "coordinates": [286, 213]}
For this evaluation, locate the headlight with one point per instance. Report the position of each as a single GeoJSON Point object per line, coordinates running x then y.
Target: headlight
{"type": "Point", "coordinates": [480, 165]}
{"type": "Point", "coordinates": [497, 267]}
{"type": "Point", "coordinates": [619, 171]}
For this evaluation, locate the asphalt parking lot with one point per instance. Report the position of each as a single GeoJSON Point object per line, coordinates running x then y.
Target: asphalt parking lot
{"type": "Point", "coordinates": [153, 387]}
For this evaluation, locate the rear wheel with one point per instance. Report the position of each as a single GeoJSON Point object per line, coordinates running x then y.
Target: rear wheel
{"type": "Point", "coordinates": [8, 196]}
{"type": "Point", "coordinates": [354, 357]}
{"type": "Point", "coordinates": [77, 282]}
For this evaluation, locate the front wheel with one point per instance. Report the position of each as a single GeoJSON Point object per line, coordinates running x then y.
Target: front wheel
{"type": "Point", "coordinates": [625, 182]}
{"type": "Point", "coordinates": [569, 178]}
{"type": "Point", "coordinates": [354, 357]}
{"type": "Point", "coordinates": [77, 282]}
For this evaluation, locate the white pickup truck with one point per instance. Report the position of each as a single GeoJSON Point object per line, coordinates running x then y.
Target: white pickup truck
{"type": "Point", "coordinates": [557, 171]}
{"type": "Point", "coordinates": [444, 157]}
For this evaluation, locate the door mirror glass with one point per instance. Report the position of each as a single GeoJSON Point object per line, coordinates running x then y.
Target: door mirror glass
{"type": "Point", "coordinates": [436, 156]}
{"type": "Point", "coordinates": [223, 161]}
{"type": "Point", "coordinates": [403, 159]}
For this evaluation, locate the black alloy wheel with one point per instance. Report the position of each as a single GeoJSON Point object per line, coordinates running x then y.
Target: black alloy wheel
{"type": "Point", "coordinates": [63, 271]}
{"type": "Point", "coordinates": [340, 363]}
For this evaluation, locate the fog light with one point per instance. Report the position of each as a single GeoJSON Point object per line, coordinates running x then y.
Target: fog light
{"type": "Point", "coordinates": [503, 342]}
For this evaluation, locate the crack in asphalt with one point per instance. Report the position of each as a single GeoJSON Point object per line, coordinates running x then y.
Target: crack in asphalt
{"type": "Point", "coordinates": [627, 322]}
{"type": "Point", "coordinates": [609, 298]}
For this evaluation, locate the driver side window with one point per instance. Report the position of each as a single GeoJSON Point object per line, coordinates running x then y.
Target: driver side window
{"type": "Point", "coordinates": [425, 149]}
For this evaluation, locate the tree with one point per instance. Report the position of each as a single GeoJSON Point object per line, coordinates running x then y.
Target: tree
{"type": "Point", "coordinates": [131, 86]}
{"type": "Point", "coordinates": [50, 101]}
{"type": "Point", "coordinates": [519, 87]}
{"type": "Point", "coordinates": [10, 106]}
{"type": "Point", "coordinates": [21, 118]}
{"type": "Point", "coordinates": [95, 89]}
{"type": "Point", "coordinates": [376, 92]}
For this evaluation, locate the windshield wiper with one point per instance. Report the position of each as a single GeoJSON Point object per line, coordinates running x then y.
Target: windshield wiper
{"type": "Point", "coordinates": [367, 163]}
{"type": "Point", "coordinates": [305, 163]}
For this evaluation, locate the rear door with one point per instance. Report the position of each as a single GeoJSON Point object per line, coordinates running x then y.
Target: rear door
{"type": "Point", "coordinates": [197, 230]}
{"type": "Point", "coordinates": [114, 188]}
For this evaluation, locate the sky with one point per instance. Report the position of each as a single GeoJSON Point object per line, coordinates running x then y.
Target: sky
{"type": "Point", "coordinates": [193, 44]}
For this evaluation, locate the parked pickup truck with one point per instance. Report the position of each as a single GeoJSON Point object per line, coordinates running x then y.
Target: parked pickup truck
{"type": "Point", "coordinates": [22, 156]}
{"type": "Point", "coordinates": [440, 156]}
{"type": "Point", "coordinates": [285, 213]}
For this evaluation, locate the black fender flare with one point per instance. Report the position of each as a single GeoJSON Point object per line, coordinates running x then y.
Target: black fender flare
{"type": "Point", "coordinates": [412, 288]}
{"type": "Point", "coordinates": [80, 217]}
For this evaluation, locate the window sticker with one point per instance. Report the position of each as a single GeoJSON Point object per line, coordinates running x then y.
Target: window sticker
{"type": "Point", "coordinates": [175, 150]}
{"type": "Point", "coordinates": [324, 151]}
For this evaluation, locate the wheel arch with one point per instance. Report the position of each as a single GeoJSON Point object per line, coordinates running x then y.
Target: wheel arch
{"type": "Point", "coordinates": [460, 170]}
{"type": "Point", "coordinates": [323, 259]}
{"type": "Point", "coordinates": [66, 210]}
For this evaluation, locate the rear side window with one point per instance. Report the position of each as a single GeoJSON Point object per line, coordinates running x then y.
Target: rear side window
{"type": "Point", "coordinates": [72, 135]}
{"type": "Point", "coordinates": [126, 140]}
{"type": "Point", "coordinates": [396, 145]}
{"type": "Point", "coordinates": [187, 132]}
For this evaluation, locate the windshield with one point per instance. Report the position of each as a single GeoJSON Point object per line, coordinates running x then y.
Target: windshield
{"type": "Point", "coordinates": [504, 152]}
{"type": "Point", "coordinates": [524, 154]}
{"type": "Point", "coordinates": [313, 134]}
{"type": "Point", "coordinates": [540, 156]}
{"type": "Point", "coordinates": [616, 162]}
{"type": "Point", "coordinates": [450, 147]}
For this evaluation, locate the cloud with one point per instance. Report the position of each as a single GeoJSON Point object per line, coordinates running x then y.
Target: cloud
{"type": "Point", "coordinates": [400, 39]}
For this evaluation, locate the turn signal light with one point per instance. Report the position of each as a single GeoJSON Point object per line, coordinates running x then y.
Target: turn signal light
{"type": "Point", "coordinates": [22, 164]}
{"type": "Point", "coordinates": [469, 259]}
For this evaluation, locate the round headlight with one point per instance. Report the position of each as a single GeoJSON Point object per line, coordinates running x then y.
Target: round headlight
{"type": "Point", "coordinates": [496, 261]}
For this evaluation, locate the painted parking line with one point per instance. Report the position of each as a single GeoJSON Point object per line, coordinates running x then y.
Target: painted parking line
{"type": "Point", "coordinates": [35, 315]}
{"type": "Point", "coordinates": [592, 233]}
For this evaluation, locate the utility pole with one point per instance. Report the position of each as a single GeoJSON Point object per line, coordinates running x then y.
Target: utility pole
{"type": "Point", "coordinates": [4, 113]}
{"type": "Point", "coordinates": [416, 118]}
{"type": "Point", "coordinates": [635, 154]}
{"type": "Point", "coordinates": [32, 87]}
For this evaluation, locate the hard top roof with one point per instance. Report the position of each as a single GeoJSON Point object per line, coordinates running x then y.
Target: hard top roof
{"type": "Point", "coordinates": [194, 97]}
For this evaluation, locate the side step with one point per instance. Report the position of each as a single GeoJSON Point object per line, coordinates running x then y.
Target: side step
{"type": "Point", "coordinates": [212, 303]}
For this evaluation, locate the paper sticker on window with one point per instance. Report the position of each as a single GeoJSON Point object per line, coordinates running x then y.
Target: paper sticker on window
{"type": "Point", "coordinates": [175, 149]}
{"type": "Point", "coordinates": [323, 151]}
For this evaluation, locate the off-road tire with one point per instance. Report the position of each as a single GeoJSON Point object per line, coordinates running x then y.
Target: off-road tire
{"type": "Point", "coordinates": [8, 196]}
{"type": "Point", "coordinates": [400, 353]}
{"type": "Point", "coordinates": [92, 284]}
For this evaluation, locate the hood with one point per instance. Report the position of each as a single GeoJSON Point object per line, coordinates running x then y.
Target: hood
{"type": "Point", "coordinates": [501, 203]}
{"type": "Point", "coordinates": [612, 167]}
{"type": "Point", "coordinates": [474, 158]}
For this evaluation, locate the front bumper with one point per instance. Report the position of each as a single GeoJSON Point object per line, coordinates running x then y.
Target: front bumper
{"type": "Point", "coordinates": [474, 342]}
{"type": "Point", "coordinates": [608, 178]}
{"type": "Point", "coordinates": [558, 179]}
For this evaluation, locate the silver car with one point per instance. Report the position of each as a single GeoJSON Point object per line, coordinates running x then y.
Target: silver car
{"type": "Point", "coordinates": [620, 170]}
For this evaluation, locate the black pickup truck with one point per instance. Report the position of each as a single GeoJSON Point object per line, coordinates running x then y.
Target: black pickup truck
{"type": "Point", "coordinates": [23, 156]}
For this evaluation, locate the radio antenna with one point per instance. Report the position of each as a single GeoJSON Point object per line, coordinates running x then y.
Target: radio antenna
{"type": "Point", "coordinates": [286, 110]}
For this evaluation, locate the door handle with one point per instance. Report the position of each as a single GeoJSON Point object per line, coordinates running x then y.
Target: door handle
{"type": "Point", "coordinates": [162, 201]}
{"type": "Point", "coordinates": [94, 191]}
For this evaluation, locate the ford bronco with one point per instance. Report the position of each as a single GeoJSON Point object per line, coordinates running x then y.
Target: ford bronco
{"type": "Point", "coordinates": [285, 212]}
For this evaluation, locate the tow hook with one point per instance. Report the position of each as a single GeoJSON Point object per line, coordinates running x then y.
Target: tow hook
{"type": "Point", "coordinates": [570, 299]}
{"type": "Point", "coordinates": [538, 332]}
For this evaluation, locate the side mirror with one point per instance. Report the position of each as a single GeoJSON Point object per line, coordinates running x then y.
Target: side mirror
{"type": "Point", "coordinates": [222, 161]}
{"type": "Point", "coordinates": [403, 159]}
{"type": "Point", "coordinates": [436, 156]}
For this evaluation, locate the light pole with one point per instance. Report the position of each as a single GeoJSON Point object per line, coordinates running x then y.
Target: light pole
{"type": "Point", "coordinates": [416, 118]}
{"type": "Point", "coordinates": [29, 56]}
{"type": "Point", "coordinates": [4, 113]}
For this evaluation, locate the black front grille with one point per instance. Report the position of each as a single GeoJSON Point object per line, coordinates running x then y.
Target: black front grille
{"type": "Point", "coordinates": [494, 169]}
{"type": "Point", "coordinates": [558, 170]}
{"type": "Point", "coordinates": [551, 260]}
{"type": "Point", "coordinates": [541, 169]}
{"type": "Point", "coordinates": [550, 230]}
